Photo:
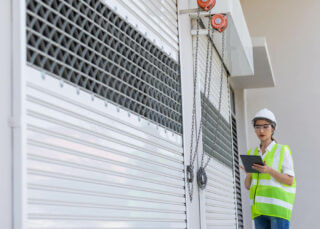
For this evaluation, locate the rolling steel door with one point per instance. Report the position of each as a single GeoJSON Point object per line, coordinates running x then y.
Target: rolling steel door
{"type": "Point", "coordinates": [103, 115]}
{"type": "Point", "coordinates": [156, 19]}
{"type": "Point", "coordinates": [220, 204]}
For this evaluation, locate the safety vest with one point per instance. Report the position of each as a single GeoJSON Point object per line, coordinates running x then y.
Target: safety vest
{"type": "Point", "coordinates": [267, 195]}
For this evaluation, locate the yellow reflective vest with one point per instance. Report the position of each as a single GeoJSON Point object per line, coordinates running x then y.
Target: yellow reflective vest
{"type": "Point", "coordinates": [267, 195]}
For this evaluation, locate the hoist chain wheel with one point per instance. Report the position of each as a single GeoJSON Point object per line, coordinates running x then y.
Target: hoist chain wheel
{"type": "Point", "coordinates": [190, 175]}
{"type": "Point", "coordinates": [219, 22]}
{"type": "Point", "coordinates": [206, 4]}
{"type": "Point", "coordinates": [202, 178]}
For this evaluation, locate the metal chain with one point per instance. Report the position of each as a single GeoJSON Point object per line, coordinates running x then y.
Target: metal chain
{"type": "Point", "coordinates": [193, 126]}
{"type": "Point", "coordinates": [209, 89]}
{"type": "Point", "coordinates": [195, 76]}
{"type": "Point", "coordinates": [206, 87]}
{"type": "Point", "coordinates": [206, 93]}
{"type": "Point", "coordinates": [201, 173]}
{"type": "Point", "coordinates": [220, 96]}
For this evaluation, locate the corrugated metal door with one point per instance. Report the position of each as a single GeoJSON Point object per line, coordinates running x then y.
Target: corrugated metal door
{"type": "Point", "coordinates": [156, 19]}
{"type": "Point", "coordinates": [220, 205]}
{"type": "Point", "coordinates": [103, 106]}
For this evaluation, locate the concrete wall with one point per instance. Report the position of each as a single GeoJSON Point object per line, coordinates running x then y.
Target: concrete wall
{"type": "Point", "coordinates": [292, 31]}
{"type": "Point", "coordinates": [5, 108]}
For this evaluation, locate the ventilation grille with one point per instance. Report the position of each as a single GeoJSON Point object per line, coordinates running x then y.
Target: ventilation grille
{"type": "Point", "coordinates": [88, 45]}
{"type": "Point", "coordinates": [237, 172]}
{"type": "Point", "coordinates": [216, 135]}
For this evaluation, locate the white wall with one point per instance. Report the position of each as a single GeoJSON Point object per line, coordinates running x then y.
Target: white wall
{"type": "Point", "coordinates": [293, 35]}
{"type": "Point", "coordinates": [5, 113]}
{"type": "Point", "coordinates": [240, 100]}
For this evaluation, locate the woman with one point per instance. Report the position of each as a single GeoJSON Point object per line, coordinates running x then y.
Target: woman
{"type": "Point", "coordinates": [272, 190]}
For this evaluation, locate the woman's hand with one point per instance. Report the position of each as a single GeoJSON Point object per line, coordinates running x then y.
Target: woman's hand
{"type": "Point", "coordinates": [247, 181]}
{"type": "Point", "coordinates": [282, 178]}
{"type": "Point", "coordinates": [262, 168]}
{"type": "Point", "coordinates": [242, 168]}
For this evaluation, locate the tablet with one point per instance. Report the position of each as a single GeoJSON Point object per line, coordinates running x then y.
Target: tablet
{"type": "Point", "coordinates": [249, 160]}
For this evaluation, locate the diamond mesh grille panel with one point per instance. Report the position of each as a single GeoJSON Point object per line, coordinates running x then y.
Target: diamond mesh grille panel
{"type": "Point", "coordinates": [87, 44]}
{"type": "Point", "coordinates": [217, 139]}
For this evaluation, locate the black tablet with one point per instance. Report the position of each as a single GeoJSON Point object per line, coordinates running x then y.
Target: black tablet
{"type": "Point", "coordinates": [249, 160]}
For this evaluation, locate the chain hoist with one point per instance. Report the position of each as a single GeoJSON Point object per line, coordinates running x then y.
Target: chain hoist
{"type": "Point", "coordinates": [189, 170]}
{"type": "Point", "coordinates": [194, 133]}
{"type": "Point", "coordinates": [201, 174]}
{"type": "Point", "coordinates": [219, 22]}
{"type": "Point", "coordinates": [206, 4]}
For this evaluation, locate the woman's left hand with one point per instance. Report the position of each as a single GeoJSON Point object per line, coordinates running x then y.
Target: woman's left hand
{"type": "Point", "coordinates": [262, 168]}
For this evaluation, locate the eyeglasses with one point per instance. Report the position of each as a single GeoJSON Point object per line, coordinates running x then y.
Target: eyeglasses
{"type": "Point", "coordinates": [259, 127]}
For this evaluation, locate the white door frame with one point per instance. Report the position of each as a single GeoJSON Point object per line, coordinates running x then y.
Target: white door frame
{"type": "Point", "coordinates": [19, 127]}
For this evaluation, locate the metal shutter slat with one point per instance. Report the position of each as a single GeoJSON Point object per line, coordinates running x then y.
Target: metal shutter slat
{"type": "Point", "coordinates": [80, 168]}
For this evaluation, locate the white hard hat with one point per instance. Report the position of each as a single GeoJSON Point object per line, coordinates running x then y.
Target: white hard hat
{"type": "Point", "coordinates": [265, 113]}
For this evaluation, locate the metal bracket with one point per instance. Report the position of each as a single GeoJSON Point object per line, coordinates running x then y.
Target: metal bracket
{"type": "Point", "coordinates": [189, 11]}
{"type": "Point", "coordinates": [193, 13]}
{"type": "Point", "coordinates": [201, 32]}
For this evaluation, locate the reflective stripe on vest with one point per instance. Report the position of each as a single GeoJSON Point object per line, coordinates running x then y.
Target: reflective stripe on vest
{"type": "Point", "coordinates": [267, 195]}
